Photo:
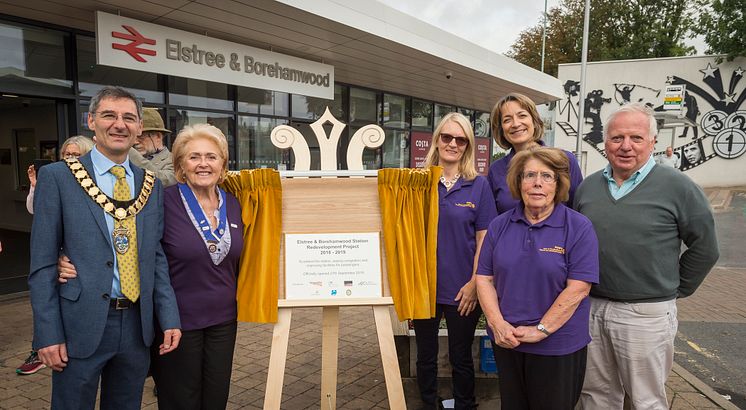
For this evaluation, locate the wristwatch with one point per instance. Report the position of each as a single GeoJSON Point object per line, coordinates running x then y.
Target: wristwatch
{"type": "Point", "coordinates": [540, 327]}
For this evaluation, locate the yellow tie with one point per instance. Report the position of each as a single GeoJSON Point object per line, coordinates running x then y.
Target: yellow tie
{"type": "Point", "coordinates": [129, 276]}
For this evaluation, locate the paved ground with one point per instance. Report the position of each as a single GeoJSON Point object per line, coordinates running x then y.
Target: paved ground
{"type": "Point", "coordinates": [712, 322]}
{"type": "Point", "coordinates": [360, 381]}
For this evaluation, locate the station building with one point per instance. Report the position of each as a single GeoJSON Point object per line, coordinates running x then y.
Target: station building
{"type": "Point", "coordinates": [244, 67]}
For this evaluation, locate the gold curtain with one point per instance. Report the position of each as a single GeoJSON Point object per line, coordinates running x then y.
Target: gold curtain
{"type": "Point", "coordinates": [260, 194]}
{"type": "Point", "coordinates": [409, 209]}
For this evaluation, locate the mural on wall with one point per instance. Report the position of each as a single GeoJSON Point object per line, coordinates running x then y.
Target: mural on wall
{"type": "Point", "coordinates": [714, 104]}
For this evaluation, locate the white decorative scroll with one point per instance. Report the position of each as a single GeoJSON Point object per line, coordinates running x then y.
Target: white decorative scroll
{"type": "Point", "coordinates": [370, 136]}
{"type": "Point", "coordinates": [328, 143]}
{"type": "Point", "coordinates": [284, 137]}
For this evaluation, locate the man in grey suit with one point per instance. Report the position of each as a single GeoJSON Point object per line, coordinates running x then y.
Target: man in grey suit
{"type": "Point", "coordinates": [106, 215]}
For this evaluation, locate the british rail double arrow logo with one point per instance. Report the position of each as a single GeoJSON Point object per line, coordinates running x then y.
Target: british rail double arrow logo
{"type": "Point", "coordinates": [133, 48]}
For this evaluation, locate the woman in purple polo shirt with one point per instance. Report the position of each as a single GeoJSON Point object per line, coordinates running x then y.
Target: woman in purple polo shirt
{"type": "Point", "coordinates": [202, 240]}
{"type": "Point", "coordinates": [517, 126]}
{"type": "Point", "coordinates": [536, 267]}
{"type": "Point", "coordinates": [466, 209]}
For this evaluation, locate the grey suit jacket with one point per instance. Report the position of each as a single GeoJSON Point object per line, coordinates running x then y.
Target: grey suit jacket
{"type": "Point", "coordinates": [66, 220]}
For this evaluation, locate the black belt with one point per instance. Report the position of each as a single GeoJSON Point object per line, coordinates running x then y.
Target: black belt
{"type": "Point", "coordinates": [121, 303]}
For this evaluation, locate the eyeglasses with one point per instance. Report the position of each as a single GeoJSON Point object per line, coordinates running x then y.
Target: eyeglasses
{"type": "Point", "coordinates": [460, 141]}
{"type": "Point", "coordinates": [110, 116]}
{"type": "Point", "coordinates": [533, 175]}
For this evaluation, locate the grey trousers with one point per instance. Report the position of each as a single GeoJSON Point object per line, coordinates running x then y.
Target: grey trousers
{"type": "Point", "coordinates": [631, 352]}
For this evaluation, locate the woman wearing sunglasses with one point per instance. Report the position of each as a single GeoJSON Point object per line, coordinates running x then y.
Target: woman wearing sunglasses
{"type": "Point", "coordinates": [517, 126]}
{"type": "Point", "coordinates": [466, 209]}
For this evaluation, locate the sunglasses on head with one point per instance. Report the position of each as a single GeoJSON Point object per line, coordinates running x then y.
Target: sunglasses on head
{"type": "Point", "coordinates": [460, 141]}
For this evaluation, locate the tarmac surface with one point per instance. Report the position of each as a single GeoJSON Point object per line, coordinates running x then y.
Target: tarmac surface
{"type": "Point", "coordinates": [360, 385]}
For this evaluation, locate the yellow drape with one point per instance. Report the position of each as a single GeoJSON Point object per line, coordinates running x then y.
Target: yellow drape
{"type": "Point", "coordinates": [260, 194]}
{"type": "Point", "coordinates": [409, 209]}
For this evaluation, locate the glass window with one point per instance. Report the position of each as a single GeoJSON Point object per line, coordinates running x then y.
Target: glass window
{"type": "Point", "coordinates": [92, 77]}
{"type": "Point", "coordinates": [396, 149]}
{"type": "Point", "coordinates": [255, 101]}
{"type": "Point", "coordinates": [482, 125]}
{"type": "Point", "coordinates": [33, 60]}
{"type": "Point", "coordinates": [178, 119]}
{"type": "Point", "coordinates": [441, 110]}
{"type": "Point", "coordinates": [466, 112]}
{"type": "Point", "coordinates": [422, 114]}
{"type": "Point", "coordinates": [363, 106]}
{"type": "Point", "coordinates": [395, 111]}
{"type": "Point", "coordinates": [202, 94]}
{"type": "Point", "coordinates": [83, 124]}
{"type": "Point", "coordinates": [313, 108]}
{"type": "Point", "coordinates": [255, 149]}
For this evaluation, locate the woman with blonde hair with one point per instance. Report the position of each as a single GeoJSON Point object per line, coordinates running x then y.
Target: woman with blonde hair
{"type": "Point", "coordinates": [202, 240]}
{"type": "Point", "coordinates": [466, 209]}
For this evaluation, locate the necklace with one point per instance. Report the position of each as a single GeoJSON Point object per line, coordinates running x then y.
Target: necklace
{"type": "Point", "coordinates": [449, 184]}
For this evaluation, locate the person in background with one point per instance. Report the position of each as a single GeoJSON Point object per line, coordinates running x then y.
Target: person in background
{"type": "Point", "coordinates": [466, 209]}
{"type": "Point", "coordinates": [667, 159]}
{"type": "Point", "coordinates": [150, 152]}
{"type": "Point", "coordinates": [73, 147]}
{"type": "Point", "coordinates": [642, 213]}
{"type": "Point", "coordinates": [535, 270]}
{"type": "Point", "coordinates": [517, 126]}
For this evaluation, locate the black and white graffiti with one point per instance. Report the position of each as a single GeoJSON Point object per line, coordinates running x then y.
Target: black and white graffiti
{"type": "Point", "coordinates": [717, 133]}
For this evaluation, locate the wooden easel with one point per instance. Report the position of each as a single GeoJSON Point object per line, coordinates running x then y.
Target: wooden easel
{"type": "Point", "coordinates": [332, 205]}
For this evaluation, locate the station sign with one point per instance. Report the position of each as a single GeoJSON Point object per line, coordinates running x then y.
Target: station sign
{"type": "Point", "coordinates": [137, 45]}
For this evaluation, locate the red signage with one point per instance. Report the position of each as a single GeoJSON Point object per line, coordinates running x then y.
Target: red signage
{"type": "Point", "coordinates": [418, 148]}
{"type": "Point", "coordinates": [135, 39]}
{"type": "Point", "coordinates": [482, 155]}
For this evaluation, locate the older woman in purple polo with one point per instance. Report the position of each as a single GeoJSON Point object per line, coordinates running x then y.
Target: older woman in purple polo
{"type": "Point", "coordinates": [466, 209]}
{"type": "Point", "coordinates": [517, 126]}
{"type": "Point", "coordinates": [536, 267]}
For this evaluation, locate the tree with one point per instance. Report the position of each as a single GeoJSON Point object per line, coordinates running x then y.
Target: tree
{"type": "Point", "coordinates": [617, 30]}
{"type": "Point", "coordinates": [724, 28]}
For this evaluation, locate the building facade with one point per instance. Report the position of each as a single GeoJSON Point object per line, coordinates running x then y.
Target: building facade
{"type": "Point", "coordinates": [368, 63]}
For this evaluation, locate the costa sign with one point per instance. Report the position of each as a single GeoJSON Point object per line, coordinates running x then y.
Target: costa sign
{"type": "Point", "coordinates": [137, 45]}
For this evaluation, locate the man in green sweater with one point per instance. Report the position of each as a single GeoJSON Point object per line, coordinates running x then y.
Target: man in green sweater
{"type": "Point", "coordinates": [641, 212]}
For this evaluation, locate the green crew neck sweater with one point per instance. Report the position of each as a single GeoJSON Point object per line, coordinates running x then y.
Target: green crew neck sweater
{"type": "Point", "coordinates": [640, 236]}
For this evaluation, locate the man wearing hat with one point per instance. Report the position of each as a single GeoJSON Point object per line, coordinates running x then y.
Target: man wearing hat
{"type": "Point", "coordinates": [149, 152]}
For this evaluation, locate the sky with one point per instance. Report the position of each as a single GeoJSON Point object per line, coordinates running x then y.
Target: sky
{"type": "Point", "coordinates": [492, 24]}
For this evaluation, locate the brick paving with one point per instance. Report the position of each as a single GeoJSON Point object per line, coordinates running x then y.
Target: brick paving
{"type": "Point", "coordinates": [360, 380]}
{"type": "Point", "coordinates": [719, 298]}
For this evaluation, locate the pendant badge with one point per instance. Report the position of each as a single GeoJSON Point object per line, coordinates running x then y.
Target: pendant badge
{"type": "Point", "coordinates": [212, 246]}
{"type": "Point", "coordinates": [121, 237]}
